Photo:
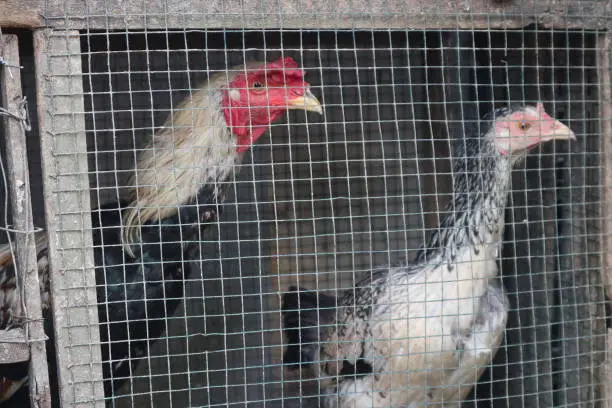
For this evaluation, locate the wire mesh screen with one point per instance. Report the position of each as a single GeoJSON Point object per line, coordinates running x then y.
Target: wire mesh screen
{"type": "Point", "coordinates": [320, 201]}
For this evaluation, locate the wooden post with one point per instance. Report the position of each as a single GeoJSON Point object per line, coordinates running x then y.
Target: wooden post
{"type": "Point", "coordinates": [604, 44]}
{"type": "Point", "coordinates": [13, 346]}
{"type": "Point", "coordinates": [606, 376]}
{"type": "Point", "coordinates": [59, 86]}
{"type": "Point", "coordinates": [383, 14]}
{"type": "Point", "coordinates": [26, 265]}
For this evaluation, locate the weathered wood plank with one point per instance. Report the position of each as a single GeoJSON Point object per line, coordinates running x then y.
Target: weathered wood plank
{"type": "Point", "coordinates": [13, 346]}
{"type": "Point", "coordinates": [18, 13]}
{"type": "Point", "coordinates": [68, 216]}
{"type": "Point", "coordinates": [26, 265]}
{"type": "Point", "coordinates": [581, 291]}
{"type": "Point", "coordinates": [607, 374]}
{"type": "Point", "coordinates": [581, 300]}
{"type": "Point", "coordinates": [604, 45]}
{"type": "Point", "coordinates": [257, 14]}
{"type": "Point", "coordinates": [604, 56]}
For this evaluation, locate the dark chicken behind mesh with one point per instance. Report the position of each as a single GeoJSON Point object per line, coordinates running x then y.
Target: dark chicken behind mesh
{"type": "Point", "coordinates": [141, 245]}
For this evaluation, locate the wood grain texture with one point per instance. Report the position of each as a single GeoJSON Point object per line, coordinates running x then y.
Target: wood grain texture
{"type": "Point", "coordinates": [22, 14]}
{"type": "Point", "coordinates": [604, 64]}
{"type": "Point", "coordinates": [13, 346]}
{"type": "Point", "coordinates": [68, 216]}
{"type": "Point", "coordinates": [26, 264]}
{"type": "Point", "coordinates": [604, 45]}
{"type": "Point", "coordinates": [402, 14]}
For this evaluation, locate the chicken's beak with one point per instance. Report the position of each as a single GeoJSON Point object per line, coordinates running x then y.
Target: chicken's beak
{"type": "Point", "coordinates": [307, 102]}
{"type": "Point", "coordinates": [561, 132]}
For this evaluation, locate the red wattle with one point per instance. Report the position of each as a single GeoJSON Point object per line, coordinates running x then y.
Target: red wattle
{"type": "Point", "coordinates": [241, 125]}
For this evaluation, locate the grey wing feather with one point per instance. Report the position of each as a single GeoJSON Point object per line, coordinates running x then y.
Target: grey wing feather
{"type": "Point", "coordinates": [477, 347]}
{"type": "Point", "coordinates": [345, 340]}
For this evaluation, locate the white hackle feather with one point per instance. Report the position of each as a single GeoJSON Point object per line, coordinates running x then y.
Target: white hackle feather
{"type": "Point", "coordinates": [194, 148]}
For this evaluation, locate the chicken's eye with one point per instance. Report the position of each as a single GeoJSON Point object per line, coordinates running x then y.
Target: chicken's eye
{"type": "Point", "coordinates": [524, 126]}
{"type": "Point", "coordinates": [257, 85]}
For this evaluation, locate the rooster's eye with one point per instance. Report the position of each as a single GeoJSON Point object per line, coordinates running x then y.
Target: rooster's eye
{"type": "Point", "coordinates": [524, 126]}
{"type": "Point", "coordinates": [257, 85]}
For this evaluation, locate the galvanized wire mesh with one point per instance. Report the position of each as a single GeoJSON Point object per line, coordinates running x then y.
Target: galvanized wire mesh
{"type": "Point", "coordinates": [322, 200]}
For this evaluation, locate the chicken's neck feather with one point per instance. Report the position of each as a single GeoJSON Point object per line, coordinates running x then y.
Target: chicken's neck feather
{"type": "Point", "coordinates": [475, 215]}
{"type": "Point", "coordinates": [194, 149]}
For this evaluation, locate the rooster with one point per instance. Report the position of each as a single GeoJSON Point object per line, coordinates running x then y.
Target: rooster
{"type": "Point", "coordinates": [141, 245]}
{"type": "Point", "coordinates": [422, 333]}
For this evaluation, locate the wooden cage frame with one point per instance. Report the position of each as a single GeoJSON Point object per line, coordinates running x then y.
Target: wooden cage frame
{"type": "Point", "coordinates": [62, 132]}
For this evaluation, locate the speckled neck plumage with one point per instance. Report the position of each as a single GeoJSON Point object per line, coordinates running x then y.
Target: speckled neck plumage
{"type": "Point", "coordinates": [475, 214]}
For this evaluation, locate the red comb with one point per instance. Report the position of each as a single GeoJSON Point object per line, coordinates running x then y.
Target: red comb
{"type": "Point", "coordinates": [541, 112]}
{"type": "Point", "coordinates": [286, 62]}
{"type": "Point", "coordinates": [287, 65]}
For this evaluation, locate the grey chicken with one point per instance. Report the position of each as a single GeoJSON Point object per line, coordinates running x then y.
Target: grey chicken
{"type": "Point", "coordinates": [420, 334]}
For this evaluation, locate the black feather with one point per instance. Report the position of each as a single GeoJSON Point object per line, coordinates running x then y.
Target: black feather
{"type": "Point", "coordinates": [305, 316]}
{"type": "Point", "coordinates": [360, 368]}
{"type": "Point", "coordinates": [136, 296]}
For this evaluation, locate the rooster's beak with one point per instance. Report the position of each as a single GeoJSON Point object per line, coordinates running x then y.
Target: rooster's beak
{"type": "Point", "coordinates": [307, 102]}
{"type": "Point", "coordinates": [562, 132]}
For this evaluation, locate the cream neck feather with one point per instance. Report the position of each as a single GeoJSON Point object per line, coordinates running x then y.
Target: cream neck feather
{"type": "Point", "coordinates": [194, 148]}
